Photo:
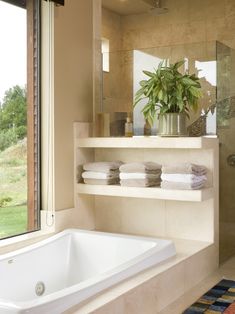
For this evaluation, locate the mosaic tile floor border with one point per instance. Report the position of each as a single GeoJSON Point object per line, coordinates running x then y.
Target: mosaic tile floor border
{"type": "Point", "coordinates": [219, 299]}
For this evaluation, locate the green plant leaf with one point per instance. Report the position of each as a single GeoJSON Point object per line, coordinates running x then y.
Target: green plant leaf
{"type": "Point", "coordinates": [177, 65]}
{"type": "Point", "coordinates": [168, 90]}
{"type": "Point", "coordinates": [160, 94]}
{"type": "Point", "coordinates": [160, 64]}
{"type": "Point", "coordinates": [143, 83]}
{"type": "Point", "coordinates": [186, 80]}
{"type": "Point", "coordinates": [195, 92]}
{"type": "Point", "coordinates": [150, 74]}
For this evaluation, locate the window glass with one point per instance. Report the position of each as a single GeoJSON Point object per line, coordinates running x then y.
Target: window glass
{"type": "Point", "coordinates": [19, 136]}
{"type": "Point", "coordinates": [105, 54]}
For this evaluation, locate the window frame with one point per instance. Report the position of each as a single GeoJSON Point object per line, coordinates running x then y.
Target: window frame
{"type": "Point", "coordinates": [33, 83]}
{"type": "Point", "coordinates": [33, 114]}
{"type": "Point", "coordinates": [47, 209]}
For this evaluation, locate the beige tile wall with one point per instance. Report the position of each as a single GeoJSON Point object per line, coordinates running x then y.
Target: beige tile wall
{"type": "Point", "coordinates": [72, 88]}
{"type": "Point", "coordinates": [117, 88]}
{"type": "Point", "coordinates": [187, 22]}
{"type": "Point", "coordinates": [172, 219]}
{"type": "Point", "coordinates": [111, 29]}
{"type": "Point", "coordinates": [188, 30]}
{"type": "Point", "coordinates": [191, 27]}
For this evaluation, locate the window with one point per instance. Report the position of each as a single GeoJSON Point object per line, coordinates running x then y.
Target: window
{"type": "Point", "coordinates": [19, 117]}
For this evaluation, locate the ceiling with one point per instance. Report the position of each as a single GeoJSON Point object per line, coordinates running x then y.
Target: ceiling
{"type": "Point", "coordinates": [128, 7]}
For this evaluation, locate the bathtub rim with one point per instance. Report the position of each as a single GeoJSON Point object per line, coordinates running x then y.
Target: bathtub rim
{"type": "Point", "coordinates": [100, 278]}
{"type": "Point", "coordinates": [68, 231]}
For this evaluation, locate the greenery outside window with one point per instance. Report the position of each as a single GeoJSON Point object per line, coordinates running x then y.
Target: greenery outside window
{"type": "Point", "coordinates": [19, 117]}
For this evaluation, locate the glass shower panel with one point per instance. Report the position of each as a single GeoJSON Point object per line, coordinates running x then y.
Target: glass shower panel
{"type": "Point", "coordinates": [117, 82]}
{"type": "Point", "coordinates": [121, 81]}
{"type": "Point", "coordinates": [116, 101]}
{"type": "Point", "coordinates": [199, 58]}
{"type": "Point", "coordinates": [226, 131]}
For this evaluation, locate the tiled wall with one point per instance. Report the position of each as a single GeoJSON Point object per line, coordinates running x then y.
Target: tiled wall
{"type": "Point", "coordinates": [158, 217]}
{"type": "Point", "coordinates": [117, 83]}
{"type": "Point", "coordinates": [190, 26]}
{"type": "Point", "coordinates": [72, 89]}
{"type": "Point", "coordinates": [186, 22]}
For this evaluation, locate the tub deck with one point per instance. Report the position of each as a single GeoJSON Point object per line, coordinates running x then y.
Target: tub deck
{"type": "Point", "coordinates": [73, 266]}
{"type": "Point", "coordinates": [154, 289]}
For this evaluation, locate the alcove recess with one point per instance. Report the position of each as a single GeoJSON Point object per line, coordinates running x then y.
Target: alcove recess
{"type": "Point", "coordinates": [189, 217]}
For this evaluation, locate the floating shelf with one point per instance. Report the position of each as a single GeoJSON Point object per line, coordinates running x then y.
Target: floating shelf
{"type": "Point", "coordinates": [147, 142]}
{"type": "Point", "coordinates": [152, 192]}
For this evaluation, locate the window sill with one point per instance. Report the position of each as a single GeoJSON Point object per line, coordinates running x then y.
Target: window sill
{"type": "Point", "coordinates": [22, 240]}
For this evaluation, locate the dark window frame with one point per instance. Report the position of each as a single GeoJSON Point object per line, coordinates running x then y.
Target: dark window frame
{"type": "Point", "coordinates": [33, 8]}
{"type": "Point", "coordinates": [22, 3]}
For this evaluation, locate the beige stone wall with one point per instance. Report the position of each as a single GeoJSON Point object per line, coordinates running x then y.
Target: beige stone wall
{"type": "Point", "coordinates": [117, 83]}
{"type": "Point", "coordinates": [186, 22]}
{"type": "Point", "coordinates": [111, 29]}
{"type": "Point", "coordinates": [190, 29]}
{"type": "Point", "coordinates": [73, 88]}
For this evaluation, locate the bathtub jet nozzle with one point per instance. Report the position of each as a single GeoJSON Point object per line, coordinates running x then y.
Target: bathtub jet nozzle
{"type": "Point", "coordinates": [39, 288]}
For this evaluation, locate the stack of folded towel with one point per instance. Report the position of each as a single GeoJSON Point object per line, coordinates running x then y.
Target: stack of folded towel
{"type": "Point", "coordinates": [185, 176]}
{"type": "Point", "coordinates": [101, 173]}
{"type": "Point", "coordinates": [140, 174]}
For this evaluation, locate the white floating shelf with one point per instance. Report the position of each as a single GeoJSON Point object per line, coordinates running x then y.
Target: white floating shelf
{"type": "Point", "coordinates": [152, 192]}
{"type": "Point", "coordinates": [147, 142]}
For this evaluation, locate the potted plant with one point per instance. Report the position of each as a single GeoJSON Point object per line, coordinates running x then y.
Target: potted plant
{"type": "Point", "coordinates": [171, 94]}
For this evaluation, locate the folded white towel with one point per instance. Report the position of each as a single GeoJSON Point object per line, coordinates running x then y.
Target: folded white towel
{"type": "Point", "coordinates": [143, 167]}
{"type": "Point", "coordinates": [100, 175]}
{"type": "Point", "coordinates": [185, 168]}
{"type": "Point", "coordinates": [185, 178]}
{"type": "Point", "coordinates": [181, 185]}
{"type": "Point", "coordinates": [101, 181]}
{"type": "Point", "coordinates": [140, 182]}
{"type": "Point", "coordinates": [102, 166]}
{"type": "Point", "coordinates": [138, 175]}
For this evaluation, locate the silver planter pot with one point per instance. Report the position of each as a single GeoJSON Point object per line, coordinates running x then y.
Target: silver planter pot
{"type": "Point", "coordinates": [172, 124]}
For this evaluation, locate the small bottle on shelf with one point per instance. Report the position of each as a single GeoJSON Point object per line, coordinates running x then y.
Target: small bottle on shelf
{"type": "Point", "coordinates": [128, 127]}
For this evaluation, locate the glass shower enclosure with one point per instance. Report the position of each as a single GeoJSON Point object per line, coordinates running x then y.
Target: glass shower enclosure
{"type": "Point", "coordinates": [214, 63]}
{"type": "Point", "coordinates": [226, 133]}
{"type": "Point", "coordinates": [121, 82]}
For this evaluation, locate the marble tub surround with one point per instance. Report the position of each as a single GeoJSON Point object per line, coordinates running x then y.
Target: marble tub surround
{"type": "Point", "coordinates": [86, 264]}
{"type": "Point", "coordinates": [152, 290]}
{"type": "Point", "coordinates": [226, 270]}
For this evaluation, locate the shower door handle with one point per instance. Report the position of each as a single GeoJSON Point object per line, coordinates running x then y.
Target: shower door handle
{"type": "Point", "coordinates": [231, 160]}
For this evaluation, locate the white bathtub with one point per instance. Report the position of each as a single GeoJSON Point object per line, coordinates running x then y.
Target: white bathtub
{"type": "Point", "coordinates": [73, 266]}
